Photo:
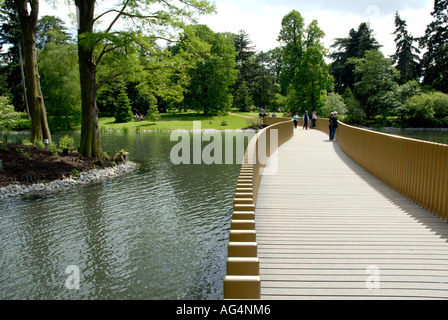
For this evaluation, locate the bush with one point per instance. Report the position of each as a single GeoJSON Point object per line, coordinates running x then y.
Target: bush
{"type": "Point", "coordinates": [335, 102]}
{"type": "Point", "coordinates": [67, 142]}
{"type": "Point", "coordinates": [427, 109]}
{"type": "Point", "coordinates": [8, 116]}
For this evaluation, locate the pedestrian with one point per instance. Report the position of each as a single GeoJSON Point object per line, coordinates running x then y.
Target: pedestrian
{"type": "Point", "coordinates": [306, 119]}
{"type": "Point", "coordinates": [333, 125]}
{"type": "Point", "coordinates": [313, 120]}
{"type": "Point", "coordinates": [296, 120]}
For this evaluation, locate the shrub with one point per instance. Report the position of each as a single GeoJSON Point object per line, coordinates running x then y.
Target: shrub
{"type": "Point", "coordinates": [8, 117]}
{"type": "Point", "coordinates": [67, 142]}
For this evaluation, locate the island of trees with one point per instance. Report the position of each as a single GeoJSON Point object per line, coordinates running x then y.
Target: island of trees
{"type": "Point", "coordinates": [151, 57]}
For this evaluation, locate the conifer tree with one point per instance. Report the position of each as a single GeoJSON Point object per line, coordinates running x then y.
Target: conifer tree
{"type": "Point", "coordinates": [435, 41]}
{"type": "Point", "coordinates": [354, 46]}
{"type": "Point", "coordinates": [406, 56]}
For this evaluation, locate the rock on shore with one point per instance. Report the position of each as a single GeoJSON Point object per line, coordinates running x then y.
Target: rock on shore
{"type": "Point", "coordinates": [84, 178]}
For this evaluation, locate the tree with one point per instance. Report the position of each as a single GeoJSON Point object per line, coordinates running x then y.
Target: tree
{"type": "Point", "coordinates": [123, 109]}
{"type": "Point", "coordinates": [376, 76]}
{"type": "Point", "coordinates": [243, 99]}
{"type": "Point", "coordinates": [28, 22]}
{"type": "Point", "coordinates": [265, 85]}
{"type": "Point", "coordinates": [211, 81]}
{"type": "Point", "coordinates": [435, 41]}
{"type": "Point", "coordinates": [354, 46]}
{"type": "Point", "coordinates": [51, 29]}
{"type": "Point", "coordinates": [304, 70]}
{"type": "Point", "coordinates": [406, 55]}
{"type": "Point", "coordinates": [158, 16]}
{"type": "Point", "coordinates": [245, 63]}
{"type": "Point", "coordinates": [11, 63]}
{"type": "Point", "coordinates": [292, 38]}
{"type": "Point", "coordinates": [311, 83]}
{"type": "Point", "coordinates": [58, 64]}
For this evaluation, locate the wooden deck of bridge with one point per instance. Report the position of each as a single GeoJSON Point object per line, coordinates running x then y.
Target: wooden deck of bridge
{"type": "Point", "coordinates": [326, 229]}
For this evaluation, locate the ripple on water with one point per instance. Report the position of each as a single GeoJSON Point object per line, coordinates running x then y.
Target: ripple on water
{"type": "Point", "coordinates": [157, 233]}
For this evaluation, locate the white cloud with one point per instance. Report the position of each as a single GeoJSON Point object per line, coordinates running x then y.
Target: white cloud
{"type": "Point", "coordinates": [262, 19]}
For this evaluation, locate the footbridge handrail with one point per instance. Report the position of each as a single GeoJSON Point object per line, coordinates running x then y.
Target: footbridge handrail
{"type": "Point", "coordinates": [243, 280]}
{"type": "Point", "coordinates": [414, 168]}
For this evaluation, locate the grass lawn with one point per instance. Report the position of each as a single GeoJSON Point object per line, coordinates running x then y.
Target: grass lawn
{"type": "Point", "coordinates": [184, 121]}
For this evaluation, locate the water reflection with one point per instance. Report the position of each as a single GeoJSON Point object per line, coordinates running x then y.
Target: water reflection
{"type": "Point", "coordinates": [157, 233]}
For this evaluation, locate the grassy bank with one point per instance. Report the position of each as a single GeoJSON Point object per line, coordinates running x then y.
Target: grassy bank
{"type": "Point", "coordinates": [182, 121]}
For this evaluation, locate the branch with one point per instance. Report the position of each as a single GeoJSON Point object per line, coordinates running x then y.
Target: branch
{"type": "Point", "coordinates": [118, 16]}
{"type": "Point", "coordinates": [104, 82]}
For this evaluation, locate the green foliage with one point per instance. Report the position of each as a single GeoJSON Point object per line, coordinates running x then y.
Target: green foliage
{"type": "Point", "coordinates": [26, 142]}
{"type": "Point", "coordinates": [376, 76]}
{"type": "Point", "coordinates": [304, 74]}
{"type": "Point", "coordinates": [123, 109]}
{"type": "Point", "coordinates": [8, 117]}
{"type": "Point", "coordinates": [335, 102]}
{"type": "Point", "coordinates": [53, 149]}
{"type": "Point", "coordinates": [39, 144]}
{"type": "Point", "coordinates": [427, 109]}
{"type": "Point", "coordinates": [67, 142]}
{"type": "Point", "coordinates": [243, 98]}
{"type": "Point", "coordinates": [406, 55]}
{"type": "Point", "coordinates": [153, 114]}
{"type": "Point", "coordinates": [58, 66]}
{"type": "Point", "coordinates": [435, 41]}
{"type": "Point", "coordinates": [212, 79]}
{"type": "Point", "coordinates": [354, 46]}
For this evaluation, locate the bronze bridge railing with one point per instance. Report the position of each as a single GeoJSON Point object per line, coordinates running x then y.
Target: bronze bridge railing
{"type": "Point", "coordinates": [416, 169]}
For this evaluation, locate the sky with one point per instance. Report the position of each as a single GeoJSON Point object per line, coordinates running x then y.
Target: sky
{"type": "Point", "coordinates": [261, 19]}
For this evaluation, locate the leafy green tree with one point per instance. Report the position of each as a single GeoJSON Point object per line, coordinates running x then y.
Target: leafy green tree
{"type": "Point", "coordinates": [58, 64]}
{"type": "Point", "coordinates": [304, 70]}
{"type": "Point", "coordinates": [150, 20]}
{"type": "Point", "coordinates": [376, 76]}
{"type": "Point", "coordinates": [266, 83]}
{"type": "Point", "coordinates": [211, 81]}
{"type": "Point", "coordinates": [312, 82]}
{"type": "Point", "coordinates": [406, 56]}
{"type": "Point", "coordinates": [402, 93]}
{"type": "Point", "coordinates": [435, 41]}
{"type": "Point", "coordinates": [354, 46]}
{"type": "Point", "coordinates": [292, 38]}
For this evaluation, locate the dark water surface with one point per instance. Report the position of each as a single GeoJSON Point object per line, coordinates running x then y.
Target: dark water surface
{"type": "Point", "coordinates": [160, 232]}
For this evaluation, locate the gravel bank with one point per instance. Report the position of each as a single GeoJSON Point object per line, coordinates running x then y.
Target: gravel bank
{"type": "Point", "coordinates": [84, 178]}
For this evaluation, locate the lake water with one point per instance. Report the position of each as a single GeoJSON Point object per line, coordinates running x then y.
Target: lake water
{"type": "Point", "coordinates": [160, 232]}
{"type": "Point", "coordinates": [433, 135]}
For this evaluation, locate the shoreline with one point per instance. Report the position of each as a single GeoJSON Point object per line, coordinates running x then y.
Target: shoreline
{"type": "Point", "coordinates": [17, 191]}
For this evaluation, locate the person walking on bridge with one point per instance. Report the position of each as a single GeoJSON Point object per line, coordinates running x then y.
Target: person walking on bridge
{"type": "Point", "coordinates": [296, 120]}
{"type": "Point", "coordinates": [306, 119]}
{"type": "Point", "coordinates": [333, 125]}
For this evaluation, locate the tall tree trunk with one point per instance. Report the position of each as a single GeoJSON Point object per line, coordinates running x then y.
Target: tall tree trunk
{"type": "Point", "coordinates": [90, 144]}
{"type": "Point", "coordinates": [28, 23]}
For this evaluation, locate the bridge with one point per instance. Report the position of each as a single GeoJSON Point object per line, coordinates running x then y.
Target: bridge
{"type": "Point", "coordinates": [361, 218]}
